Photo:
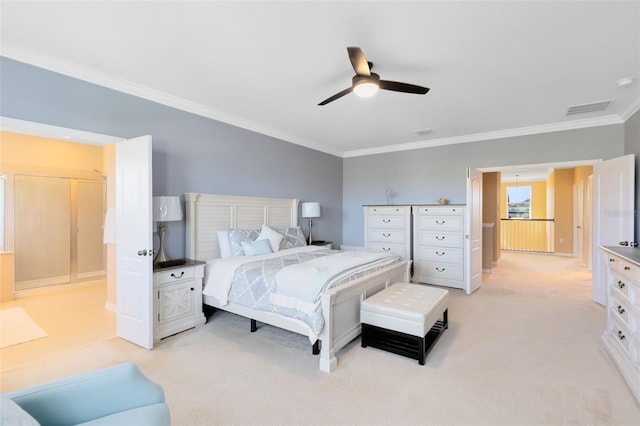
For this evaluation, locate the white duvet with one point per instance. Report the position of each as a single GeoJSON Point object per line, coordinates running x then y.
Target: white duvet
{"type": "Point", "coordinates": [219, 272]}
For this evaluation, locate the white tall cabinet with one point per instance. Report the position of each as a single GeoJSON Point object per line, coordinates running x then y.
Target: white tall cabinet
{"type": "Point", "coordinates": [438, 245]}
{"type": "Point", "coordinates": [622, 335]}
{"type": "Point", "coordinates": [387, 228]}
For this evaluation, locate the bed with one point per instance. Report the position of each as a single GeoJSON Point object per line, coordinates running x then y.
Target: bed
{"type": "Point", "coordinates": [206, 214]}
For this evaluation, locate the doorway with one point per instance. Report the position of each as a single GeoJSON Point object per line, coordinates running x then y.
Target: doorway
{"type": "Point", "coordinates": [550, 206]}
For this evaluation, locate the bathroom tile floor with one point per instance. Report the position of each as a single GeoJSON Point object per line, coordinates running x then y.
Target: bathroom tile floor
{"type": "Point", "coordinates": [71, 318]}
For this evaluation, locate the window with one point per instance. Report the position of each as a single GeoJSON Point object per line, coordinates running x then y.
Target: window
{"type": "Point", "coordinates": [519, 202]}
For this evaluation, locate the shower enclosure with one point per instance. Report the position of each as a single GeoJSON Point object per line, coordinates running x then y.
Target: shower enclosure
{"type": "Point", "coordinates": [58, 230]}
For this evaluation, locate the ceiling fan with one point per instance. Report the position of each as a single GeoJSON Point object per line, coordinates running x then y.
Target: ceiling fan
{"type": "Point", "coordinates": [366, 83]}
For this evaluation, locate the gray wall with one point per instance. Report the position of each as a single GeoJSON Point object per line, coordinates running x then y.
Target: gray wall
{"type": "Point", "coordinates": [190, 153]}
{"type": "Point", "coordinates": [422, 176]}
{"type": "Point", "coordinates": [632, 146]}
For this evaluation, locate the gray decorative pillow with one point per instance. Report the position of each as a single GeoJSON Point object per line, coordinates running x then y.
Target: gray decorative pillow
{"type": "Point", "coordinates": [237, 236]}
{"type": "Point", "coordinates": [293, 237]}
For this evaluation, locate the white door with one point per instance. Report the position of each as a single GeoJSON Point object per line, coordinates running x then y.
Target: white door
{"type": "Point", "coordinates": [134, 237]}
{"type": "Point", "coordinates": [613, 207]}
{"type": "Point", "coordinates": [473, 239]}
{"type": "Point", "coordinates": [578, 222]}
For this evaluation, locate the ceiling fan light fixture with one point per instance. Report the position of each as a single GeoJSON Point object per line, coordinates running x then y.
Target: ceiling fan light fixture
{"type": "Point", "coordinates": [366, 89]}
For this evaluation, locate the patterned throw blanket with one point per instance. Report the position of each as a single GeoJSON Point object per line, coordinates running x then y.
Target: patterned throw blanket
{"type": "Point", "coordinates": [255, 283]}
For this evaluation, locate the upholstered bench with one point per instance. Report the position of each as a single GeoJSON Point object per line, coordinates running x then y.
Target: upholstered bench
{"type": "Point", "coordinates": [404, 319]}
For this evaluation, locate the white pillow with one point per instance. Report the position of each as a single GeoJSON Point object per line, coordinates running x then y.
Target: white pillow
{"type": "Point", "coordinates": [255, 248]}
{"type": "Point", "coordinates": [274, 237]}
{"type": "Point", "coordinates": [223, 243]}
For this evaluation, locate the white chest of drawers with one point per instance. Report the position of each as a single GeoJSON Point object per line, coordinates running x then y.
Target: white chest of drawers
{"type": "Point", "coordinates": [388, 229]}
{"type": "Point", "coordinates": [438, 245]}
{"type": "Point", "coordinates": [622, 335]}
{"type": "Point", "coordinates": [177, 298]}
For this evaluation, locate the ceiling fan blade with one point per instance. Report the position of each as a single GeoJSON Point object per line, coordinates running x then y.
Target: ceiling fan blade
{"type": "Point", "coordinates": [336, 96]}
{"type": "Point", "coordinates": [359, 61]}
{"type": "Point", "coordinates": [403, 87]}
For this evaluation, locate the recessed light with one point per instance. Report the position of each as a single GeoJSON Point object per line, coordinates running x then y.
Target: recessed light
{"type": "Point", "coordinates": [625, 82]}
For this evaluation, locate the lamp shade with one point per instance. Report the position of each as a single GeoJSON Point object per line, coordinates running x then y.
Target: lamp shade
{"type": "Point", "coordinates": [311, 209]}
{"type": "Point", "coordinates": [166, 209]}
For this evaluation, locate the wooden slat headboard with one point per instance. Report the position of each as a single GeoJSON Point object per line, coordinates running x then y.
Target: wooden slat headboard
{"type": "Point", "coordinates": [208, 213]}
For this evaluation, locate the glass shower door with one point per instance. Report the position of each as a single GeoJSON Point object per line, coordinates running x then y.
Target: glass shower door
{"type": "Point", "coordinates": [90, 250]}
{"type": "Point", "coordinates": [42, 230]}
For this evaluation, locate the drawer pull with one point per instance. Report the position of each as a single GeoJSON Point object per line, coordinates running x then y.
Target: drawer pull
{"type": "Point", "coordinates": [176, 277]}
{"type": "Point", "coordinates": [620, 310]}
{"type": "Point", "coordinates": [440, 253]}
{"type": "Point", "coordinates": [440, 269]}
{"type": "Point", "coordinates": [386, 248]}
{"type": "Point", "coordinates": [385, 234]}
{"type": "Point", "coordinates": [439, 237]}
{"type": "Point", "coordinates": [626, 268]}
{"type": "Point", "coordinates": [621, 336]}
{"type": "Point", "coordinates": [440, 222]}
{"type": "Point", "coordinates": [621, 285]}
{"type": "Point", "coordinates": [386, 220]}
{"type": "Point", "coordinates": [612, 260]}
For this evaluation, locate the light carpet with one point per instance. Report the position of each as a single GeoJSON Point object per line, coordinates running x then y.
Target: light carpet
{"type": "Point", "coordinates": [16, 326]}
{"type": "Point", "coordinates": [525, 349]}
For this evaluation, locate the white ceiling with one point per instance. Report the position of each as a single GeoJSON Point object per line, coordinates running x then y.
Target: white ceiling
{"type": "Point", "coordinates": [495, 69]}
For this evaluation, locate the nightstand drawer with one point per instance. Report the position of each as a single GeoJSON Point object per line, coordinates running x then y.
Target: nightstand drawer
{"type": "Point", "coordinates": [175, 274]}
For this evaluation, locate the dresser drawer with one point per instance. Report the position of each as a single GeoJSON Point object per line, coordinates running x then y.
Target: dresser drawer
{"type": "Point", "coordinates": [441, 222]}
{"type": "Point", "coordinates": [386, 236]}
{"type": "Point", "coordinates": [397, 249]}
{"type": "Point", "coordinates": [621, 336]}
{"type": "Point", "coordinates": [626, 269]}
{"type": "Point", "coordinates": [439, 254]}
{"type": "Point", "coordinates": [441, 239]}
{"type": "Point", "coordinates": [620, 310]}
{"type": "Point", "coordinates": [387, 210]}
{"type": "Point", "coordinates": [438, 270]}
{"type": "Point", "coordinates": [387, 222]}
{"type": "Point", "coordinates": [621, 286]}
{"type": "Point", "coordinates": [176, 274]}
{"type": "Point", "coordinates": [439, 210]}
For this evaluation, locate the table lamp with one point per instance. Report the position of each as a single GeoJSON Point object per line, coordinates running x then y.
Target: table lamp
{"type": "Point", "coordinates": [310, 210]}
{"type": "Point", "coordinates": [165, 209]}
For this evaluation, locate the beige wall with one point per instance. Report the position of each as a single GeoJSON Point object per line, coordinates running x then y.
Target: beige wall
{"type": "Point", "coordinates": [563, 211]}
{"type": "Point", "coordinates": [32, 154]}
{"type": "Point", "coordinates": [491, 208]}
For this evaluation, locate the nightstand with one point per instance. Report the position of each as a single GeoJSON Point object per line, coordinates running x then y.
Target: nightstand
{"type": "Point", "coordinates": [177, 301]}
{"type": "Point", "coordinates": [326, 244]}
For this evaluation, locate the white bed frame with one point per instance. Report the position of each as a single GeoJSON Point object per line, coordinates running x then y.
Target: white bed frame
{"type": "Point", "coordinates": [207, 213]}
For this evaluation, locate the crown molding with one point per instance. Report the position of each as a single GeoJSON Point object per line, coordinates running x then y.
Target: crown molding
{"type": "Point", "coordinates": [633, 108]}
{"type": "Point", "coordinates": [500, 134]}
{"type": "Point", "coordinates": [95, 77]}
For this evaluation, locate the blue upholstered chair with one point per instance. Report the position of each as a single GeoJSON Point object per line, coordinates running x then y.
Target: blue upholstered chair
{"type": "Point", "coordinates": [119, 395]}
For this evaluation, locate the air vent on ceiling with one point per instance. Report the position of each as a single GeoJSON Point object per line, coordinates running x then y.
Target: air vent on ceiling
{"type": "Point", "coordinates": [592, 107]}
